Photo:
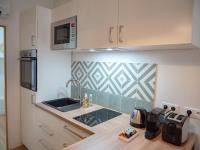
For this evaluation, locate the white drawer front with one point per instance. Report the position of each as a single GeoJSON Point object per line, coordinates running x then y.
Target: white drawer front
{"type": "Point", "coordinates": [68, 139]}
{"type": "Point", "coordinates": [43, 144]}
{"type": "Point", "coordinates": [46, 138]}
{"type": "Point", "coordinates": [68, 127]}
{"type": "Point", "coordinates": [46, 130]}
{"type": "Point", "coordinates": [47, 118]}
{"type": "Point", "coordinates": [56, 134]}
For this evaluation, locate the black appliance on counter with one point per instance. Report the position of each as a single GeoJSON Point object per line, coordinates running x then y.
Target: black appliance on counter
{"type": "Point", "coordinates": [176, 128]}
{"type": "Point", "coordinates": [28, 69]}
{"type": "Point", "coordinates": [154, 123]}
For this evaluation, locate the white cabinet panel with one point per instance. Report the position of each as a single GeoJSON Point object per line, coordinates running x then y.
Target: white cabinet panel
{"type": "Point", "coordinates": [148, 24]}
{"type": "Point", "coordinates": [67, 139]}
{"type": "Point", "coordinates": [155, 22]}
{"type": "Point", "coordinates": [27, 117]}
{"type": "Point", "coordinates": [196, 23]}
{"type": "Point", "coordinates": [47, 130]}
{"type": "Point", "coordinates": [70, 134]}
{"type": "Point", "coordinates": [47, 119]}
{"type": "Point", "coordinates": [97, 23]}
{"type": "Point", "coordinates": [28, 29]}
{"type": "Point", "coordinates": [50, 129]}
{"type": "Point", "coordinates": [43, 144]}
{"type": "Point", "coordinates": [68, 9]}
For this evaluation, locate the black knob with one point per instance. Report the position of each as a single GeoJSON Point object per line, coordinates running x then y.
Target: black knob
{"type": "Point", "coordinates": [189, 112]}
{"type": "Point", "coordinates": [173, 108]}
{"type": "Point", "coordinates": [165, 107]}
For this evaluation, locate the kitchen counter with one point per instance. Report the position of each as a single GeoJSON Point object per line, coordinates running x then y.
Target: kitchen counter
{"type": "Point", "coordinates": [105, 135]}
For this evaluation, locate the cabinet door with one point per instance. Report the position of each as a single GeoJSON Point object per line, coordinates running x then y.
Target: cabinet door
{"type": "Point", "coordinates": [27, 118]}
{"type": "Point", "coordinates": [97, 23]}
{"type": "Point", "coordinates": [68, 138]}
{"type": "Point", "coordinates": [46, 130]}
{"type": "Point", "coordinates": [70, 134]}
{"type": "Point", "coordinates": [28, 35]}
{"type": "Point", "coordinates": [43, 144]}
{"type": "Point", "coordinates": [152, 22]}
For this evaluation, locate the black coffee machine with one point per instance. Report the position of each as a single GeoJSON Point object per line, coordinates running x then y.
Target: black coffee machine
{"type": "Point", "coordinates": [154, 123]}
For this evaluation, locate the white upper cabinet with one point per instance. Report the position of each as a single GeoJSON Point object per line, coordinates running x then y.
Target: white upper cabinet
{"type": "Point", "coordinates": [28, 29]}
{"type": "Point", "coordinates": [97, 23]}
{"type": "Point", "coordinates": [134, 24]}
{"type": "Point", "coordinates": [154, 22]}
{"type": "Point", "coordinates": [196, 23]}
{"type": "Point", "coordinates": [64, 11]}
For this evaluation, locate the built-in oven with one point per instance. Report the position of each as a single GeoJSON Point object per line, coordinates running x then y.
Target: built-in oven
{"type": "Point", "coordinates": [64, 34]}
{"type": "Point", "coordinates": [28, 69]}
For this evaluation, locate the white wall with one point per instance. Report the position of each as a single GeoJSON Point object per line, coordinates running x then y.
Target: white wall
{"type": "Point", "coordinates": [13, 100]}
{"type": "Point", "coordinates": [54, 67]}
{"type": "Point", "coordinates": [57, 3]}
{"type": "Point", "coordinates": [178, 76]}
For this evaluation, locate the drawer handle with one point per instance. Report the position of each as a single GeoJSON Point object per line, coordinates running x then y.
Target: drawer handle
{"type": "Point", "coordinates": [65, 145]}
{"type": "Point", "coordinates": [44, 128]}
{"type": "Point", "coordinates": [120, 33]}
{"type": "Point", "coordinates": [66, 128]}
{"type": "Point", "coordinates": [45, 144]}
{"type": "Point", "coordinates": [33, 99]}
{"type": "Point", "coordinates": [110, 34]}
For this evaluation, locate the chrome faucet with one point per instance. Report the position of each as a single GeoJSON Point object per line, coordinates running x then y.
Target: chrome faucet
{"type": "Point", "coordinates": [77, 81]}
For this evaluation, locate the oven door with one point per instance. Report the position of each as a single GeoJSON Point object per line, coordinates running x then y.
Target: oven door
{"type": "Point", "coordinates": [28, 73]}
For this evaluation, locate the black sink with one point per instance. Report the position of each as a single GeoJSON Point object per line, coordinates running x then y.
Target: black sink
{"type": "Point", "coordinates": [63, 104]}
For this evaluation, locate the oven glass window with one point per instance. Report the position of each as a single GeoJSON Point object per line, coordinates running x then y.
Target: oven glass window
{"type": "Point", "coordinates": [29, 74]}
{"type": "Point", "coordinates": [62, 34]}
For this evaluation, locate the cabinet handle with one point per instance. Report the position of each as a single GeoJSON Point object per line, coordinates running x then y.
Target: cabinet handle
{"type": "Point", "coordinates": [32, 99]}
{"type": "Point", "coordinates": [44, 128]}
{"type": "Point", "coordinates": [65, 145]}
{"type": "Point", "coordinates": [45, 144]}
{"type": "Point", "coordinates": [110, 34]}
{"type": "Point", "coordinates": [66, 128]}
{"type": "Point", "coordinates": [120, 33]}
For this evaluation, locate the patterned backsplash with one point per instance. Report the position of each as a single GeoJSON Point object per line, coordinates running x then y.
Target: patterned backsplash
{"type": "Point", "coordinates": [119, 86]}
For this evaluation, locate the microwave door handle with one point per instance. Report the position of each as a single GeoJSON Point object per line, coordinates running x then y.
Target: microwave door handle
{"type": "Point", "coordinates": [26, 59]}
{"type": "Point", "coordinates": [34, 73]}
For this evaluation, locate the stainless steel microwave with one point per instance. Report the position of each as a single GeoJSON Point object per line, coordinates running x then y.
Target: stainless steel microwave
{"type": "Point", "coordinates": [64, 34]}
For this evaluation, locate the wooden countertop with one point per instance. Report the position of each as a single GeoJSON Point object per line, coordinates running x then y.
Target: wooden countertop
{"type": "Point", "coordinates": [105, 135]}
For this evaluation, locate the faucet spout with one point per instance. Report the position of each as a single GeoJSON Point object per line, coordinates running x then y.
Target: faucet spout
{"type": "Point", "coordinates": [79, 84]}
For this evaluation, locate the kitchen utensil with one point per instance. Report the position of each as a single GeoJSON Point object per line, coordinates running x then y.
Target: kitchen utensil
{"type": "Point", "coordinates": [138, 118]}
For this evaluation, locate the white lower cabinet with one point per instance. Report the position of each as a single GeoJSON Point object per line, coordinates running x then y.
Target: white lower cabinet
{"type": "Point", "coordinates": [27, 117]}
{"type": "Point", "coordinates": [46, 137]}
{"type": "Point", "coordinates": [46, 131]}
{"type": "Point", "coordinates": [43, 143]}
{"type": "Point", "coordinates": [70, 134]}
{"type": "Point", "coordinates": [54, 134]}
{"type": "Point", "coordinates": [67, 138]}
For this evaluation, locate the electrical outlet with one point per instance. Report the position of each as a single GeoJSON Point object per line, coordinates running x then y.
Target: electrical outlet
{"type": "Point", "coordinates": [177, 107]}
{"type": "Point", "coordinates": [195, 112]}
